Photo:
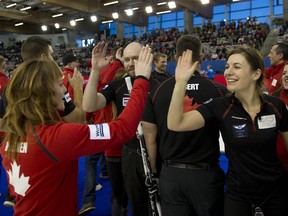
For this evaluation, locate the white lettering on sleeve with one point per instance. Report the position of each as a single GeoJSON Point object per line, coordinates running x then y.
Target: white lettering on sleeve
{"type": "Point", "coordinates": [99, 132]}
{"type": "Point", "coordinates": [67, 97]}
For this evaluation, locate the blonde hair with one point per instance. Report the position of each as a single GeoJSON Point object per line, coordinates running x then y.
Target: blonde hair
{"type": "Point", "coordinates": [31, 100]}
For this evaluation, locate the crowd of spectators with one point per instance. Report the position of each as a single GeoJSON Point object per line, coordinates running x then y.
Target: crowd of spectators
{"type": "Point", "coordinates": [217, 40]}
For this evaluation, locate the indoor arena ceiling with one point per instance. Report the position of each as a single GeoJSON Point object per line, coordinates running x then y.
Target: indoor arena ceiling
{"type": "Point", "coordinates": [41, 13]}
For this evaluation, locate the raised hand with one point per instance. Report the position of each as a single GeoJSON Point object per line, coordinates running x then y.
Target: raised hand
{"type": "Point", "coordinates": [143, 65]}
{"type": "Point", "coordinates": [99, 59]}
{"type": "Point", "coordinates": [76, 81]}
{"type": "Point", "coordinates": [185, 68]}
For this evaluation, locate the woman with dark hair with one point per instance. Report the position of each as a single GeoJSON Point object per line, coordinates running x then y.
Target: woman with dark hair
{"type": "Point", "coordinates": [256, 183]}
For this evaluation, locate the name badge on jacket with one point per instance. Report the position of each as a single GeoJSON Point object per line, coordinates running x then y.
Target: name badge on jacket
{"type": "Point", "coordinates": [267, 121]}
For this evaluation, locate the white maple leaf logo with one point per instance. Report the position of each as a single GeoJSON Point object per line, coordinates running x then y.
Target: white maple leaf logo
{"type": "Point", "coordinates": [20, 183]}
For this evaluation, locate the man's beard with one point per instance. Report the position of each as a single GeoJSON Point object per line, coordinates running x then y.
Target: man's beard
{"type": "Point", "coordinates": [131, 73]}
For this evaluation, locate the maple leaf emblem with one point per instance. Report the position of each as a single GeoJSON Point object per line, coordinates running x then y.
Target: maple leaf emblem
{"type": "Point", "coordinates": [188, 104]}
{"type": "Point", "coordinates": [20, 183]}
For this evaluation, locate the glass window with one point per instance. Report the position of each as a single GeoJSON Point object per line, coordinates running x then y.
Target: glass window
{"type": "Point", "coordinates": [151, 19]}
{"type": "Point", "coordinates": [260, 12]}
{"type": "Point", "coordinates": [240, 15]}
{"type": "Point", "coordinates": [219, 9]}
{"type": "Point", "coordinates": [151, 27]}
{"type": "Point", "coordinates": [197, 20]}
{"type": "Point", "coordinates": [262, 3]}
{"type": "Point", "coordinates": [180, 23]}
{"type": "Point", "coordinates": [239, 6]}
{"type": "Point", "coordinates": [278, 9]}
{"type": "Point", "coordinates": [218, 17]}
{"type": "Point", "coordinates": [180, 15]}
{"type": "Point", "coordinates": [112, 31]}
{"type": "Point", "coordinates": [280, 2]}
{"type": "Point", "coordinates": [168, 16]}
{"type": "Point", "coordinates": [168, 25]}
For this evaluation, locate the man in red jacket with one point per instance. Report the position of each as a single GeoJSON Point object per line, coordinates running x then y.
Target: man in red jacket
{"type": "Point", "coordinates": [107, 74]}
{"type": "Point", "coordinates": [278, 55]}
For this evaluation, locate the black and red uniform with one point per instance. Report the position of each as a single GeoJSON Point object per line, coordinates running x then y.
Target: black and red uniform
{"type": "Point", "coordinates": [191, 182]}
{"type": "Point", "coordinates": [43, 178]}
{"type": "Point", "coordinates": [129, 158]}
{"type": "Point", "coordinates": [157, 78]}
{"type": "Point", "coordinates": [255, 176]}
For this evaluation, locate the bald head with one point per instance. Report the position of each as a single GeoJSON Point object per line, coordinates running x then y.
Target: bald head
{"type": "Point", "coordinates": [130, 53]}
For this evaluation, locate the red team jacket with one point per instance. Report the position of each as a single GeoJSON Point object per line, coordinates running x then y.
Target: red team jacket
{"type": "Point", "coordinates": [273, 77]}
{"type": "Point", "coordinates": [3, 83]}
{"type": "Point", "coordinates": [66, 83]}
{"type": "Point", "coordinates": [281, 147]}
{"type": "Point", "coordinates": [45, 182]}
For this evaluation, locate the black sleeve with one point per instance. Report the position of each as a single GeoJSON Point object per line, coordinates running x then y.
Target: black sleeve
{"type": "Point", "coordinates": [69, 105]}
{"type": "Point", "coordinates": [149, 114]}
{"type": "Point", "coordinates": [109, 91]}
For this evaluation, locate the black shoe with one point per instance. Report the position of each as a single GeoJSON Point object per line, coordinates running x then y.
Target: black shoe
{"type": "Point", "coordinates": [87, 207]}
{"type": "Point", "coordinates": [9, 201]}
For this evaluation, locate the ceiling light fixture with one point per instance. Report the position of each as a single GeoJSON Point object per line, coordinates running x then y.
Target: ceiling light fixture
{"type": "Point", "coordinates": [57, 26]}
{"type": "Point", "coordinates": [93, 18]}
{"type": "Point", "coordinates": [18, 24]}
{"type": "Point", "coordinates": [63, 29]}
{"type": "Point", "coordinates": [25, 8]}
{"type": "Point", "coordinates": [11, 5]}
{"type": "Point", "coordinates": [172, 4]}
{"type": "Point", "coordinates": [107, 21]}
{"type": "Point", "coordinates": [149, 9]}
{"type": "Point", "coordinates": [57, 15]}
{"type": "Point", "coordinates": [72, 23]}
{"type": "Point", "coordinates": [163, 12]}
{"type": "Point", "coordinates": [161, 3]}
{"type": "Point", "coordinates": [115, 15]}
{"type": "Point", "coordinates": [44, 28]}
{"type": "Point", "coordinates": [136, 8]}
{"type": "Point", "coordinates": [110, 3]}
{"type": "Point", "coordinates": [205, 1]}
{"type": "Point", "coordinates": [79, 19]}
{"type": "Point", "coordinates": [129, 12]}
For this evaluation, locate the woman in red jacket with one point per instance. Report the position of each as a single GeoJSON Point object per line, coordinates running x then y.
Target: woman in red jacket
{"type": "Point", "coordinates": [40, 151]}
{"type": "Point", "coordinates": [283, 94]}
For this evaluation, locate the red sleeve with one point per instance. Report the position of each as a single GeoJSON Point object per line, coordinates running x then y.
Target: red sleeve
{"type": "Point", "coordinates": [3, 82]}
{"type": "Point", "coordinates": [112, 72]}
{"type": "Point", "coordinates": [69, 141]}
{"type": "Point", "coordinates": [267, 73]}
{"type": "Point", "coordinates": [68, 86]}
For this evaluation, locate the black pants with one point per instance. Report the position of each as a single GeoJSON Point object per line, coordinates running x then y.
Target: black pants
{"type": "Point", "coordinates": [276, 205]}
{"type": "Point", "coordinates": [192, 192]}
{"type": "Point", "coordinates": [119, 196]}
{"type": "Point", "coordinates": [134, 180]}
